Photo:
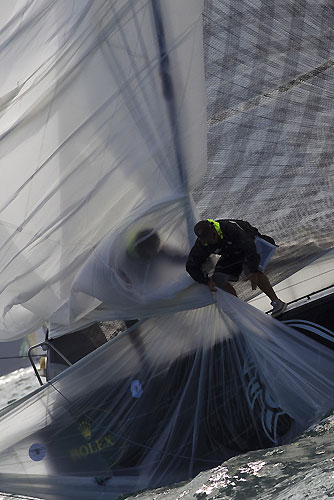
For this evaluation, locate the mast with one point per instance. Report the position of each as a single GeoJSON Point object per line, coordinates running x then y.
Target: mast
{"type": "Point", "coordinates": [169, 96]}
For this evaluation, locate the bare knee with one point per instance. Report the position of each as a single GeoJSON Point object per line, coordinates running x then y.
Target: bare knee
{"type": "Point", "coordinates": [229, 289]}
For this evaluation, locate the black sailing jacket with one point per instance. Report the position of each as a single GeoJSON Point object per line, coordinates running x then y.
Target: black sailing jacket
{"type": "Point", "coordinates": [236, 248]}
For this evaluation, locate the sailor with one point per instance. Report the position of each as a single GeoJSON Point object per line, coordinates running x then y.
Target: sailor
{"type": "Point", "coordinates": [140, 253]}
{"type": "Point", "coordinates": [145, 245]}
{"type": "Point", "coordinates": [143, 252]}
{"type": "Point", "coordinates": [234, 241]}
{"type": "Point", "coordinates": [147, 263]}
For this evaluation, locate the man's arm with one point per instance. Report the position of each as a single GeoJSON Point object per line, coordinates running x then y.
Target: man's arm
{"type": "Point", "coordinates": [196, 259]}
{"type": "Point", "coordinates": [173, 254]}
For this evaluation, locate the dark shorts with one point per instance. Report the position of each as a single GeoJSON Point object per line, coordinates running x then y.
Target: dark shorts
{"type": "Point", "coordinates": [228, 271]}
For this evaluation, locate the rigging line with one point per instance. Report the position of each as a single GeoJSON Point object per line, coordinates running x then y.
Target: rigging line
{"type": "Point", "coordinates": [169, 95]}
{"type": "Point", "coordinates": [307, 280]}
{"type": "Point", "coordinates": [50, 383]}
{"type": "Point", "coordinates": [273, 94]}
{"type": "Point", "coordinates": [167, 84]}
{"type": "Point", "coordinates": [20, 357]}
{"type": "Point", "coordinates": [126, 82]}
{"type": "Point", "coordinates": [148, 98]}
{"type": "Point", "coordinates": [148, 132]}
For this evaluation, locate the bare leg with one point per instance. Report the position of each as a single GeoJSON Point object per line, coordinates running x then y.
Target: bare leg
{"type": "Point", "coordinates": [229, 289]}
{"type": "Point", "coordinates": [265, 286]}
{"type": "Point", "coordinates": [221, 281]}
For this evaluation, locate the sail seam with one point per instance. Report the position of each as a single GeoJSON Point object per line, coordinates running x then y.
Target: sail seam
{"type": "Point", "coordinates": [263, 98]}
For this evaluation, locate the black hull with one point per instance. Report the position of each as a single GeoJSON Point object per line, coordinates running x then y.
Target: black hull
{"type": "Point", "coordinates": [237, 413]}
{"type": "Point", "coordinates": [313, 316]}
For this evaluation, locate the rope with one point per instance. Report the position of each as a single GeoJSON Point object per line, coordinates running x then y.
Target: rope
{"type": "Point", "coordinates": [18, 357]}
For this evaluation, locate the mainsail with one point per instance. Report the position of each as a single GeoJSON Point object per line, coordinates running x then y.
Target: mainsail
{"type": "Point", "coordinates": [103, 138]}
{"type": "Point", "coordinates": [269, 73]}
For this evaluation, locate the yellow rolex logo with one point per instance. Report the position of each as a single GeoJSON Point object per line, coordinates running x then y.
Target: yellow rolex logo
{"type": "Point", "coordinates": [85, 429]}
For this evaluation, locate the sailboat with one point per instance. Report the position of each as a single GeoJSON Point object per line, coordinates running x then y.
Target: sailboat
{"type": "Point", "coordinates": [103, 138]}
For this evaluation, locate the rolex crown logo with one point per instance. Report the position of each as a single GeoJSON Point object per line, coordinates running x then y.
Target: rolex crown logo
{"type": "Point", "coordinates": [85, 429]}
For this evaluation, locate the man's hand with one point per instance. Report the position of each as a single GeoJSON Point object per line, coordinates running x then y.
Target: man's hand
{"type": "Point", "coordinates": [253, 278]}
{"type": "Point", "coordinates": [212, 286]}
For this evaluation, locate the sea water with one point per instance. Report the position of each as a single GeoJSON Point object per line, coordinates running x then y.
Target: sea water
{"type": "Point", "coordinates": [302, 470]}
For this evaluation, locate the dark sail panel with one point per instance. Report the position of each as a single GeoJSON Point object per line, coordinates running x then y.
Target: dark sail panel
{"type": "Point", "coordinates": [269, 77]}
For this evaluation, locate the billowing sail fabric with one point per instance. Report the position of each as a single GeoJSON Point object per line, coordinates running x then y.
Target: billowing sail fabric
{"type": "Point", "coordinates": [103, 113]}
{"type": "Point", "coordinates": [166, 399]}
{"type": "Point", "coordinates": [269, 77]}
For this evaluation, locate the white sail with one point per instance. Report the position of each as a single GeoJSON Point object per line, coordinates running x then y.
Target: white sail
{"type": "Point", "coordinates": [89, 134]}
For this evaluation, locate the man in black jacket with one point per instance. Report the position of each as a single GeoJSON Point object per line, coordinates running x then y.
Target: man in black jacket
{"type": "Point", "coordinates": [234, 241]}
